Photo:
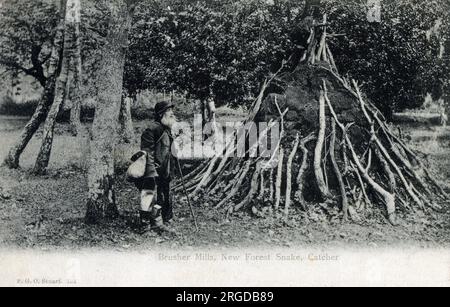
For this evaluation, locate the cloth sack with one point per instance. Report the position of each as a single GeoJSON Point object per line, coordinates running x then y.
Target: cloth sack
{"type": "Point", "coordinates": [137, 168]}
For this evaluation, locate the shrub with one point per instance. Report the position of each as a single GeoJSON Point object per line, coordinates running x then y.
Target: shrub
{"type": "Point", "coordinates": [9, 106]}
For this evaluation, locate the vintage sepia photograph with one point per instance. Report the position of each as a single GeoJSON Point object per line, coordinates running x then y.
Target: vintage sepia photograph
{"type": "Point", "coordinates": [224, 143]}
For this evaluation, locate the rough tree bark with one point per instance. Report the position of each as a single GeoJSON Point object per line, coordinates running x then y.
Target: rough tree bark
{"type": "Point", "coordinates": [126, 121]}
{"type": "Point", "coordinates": [73, 20]}
{"type": "Point", "coordinates": [101, 200]}
{"type": "Point", "coordinates": [40, 114]}
{"type": "Point", "coordinates": [43, 157]}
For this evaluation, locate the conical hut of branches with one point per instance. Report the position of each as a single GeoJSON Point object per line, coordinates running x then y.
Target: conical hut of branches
{"type": "Point", "coordinates": [336, 150]}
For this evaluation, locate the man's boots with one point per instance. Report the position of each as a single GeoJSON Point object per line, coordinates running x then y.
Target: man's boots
{"type": "Point", "coordinates": [145, 220]}
{"type": "Point", "coordinates": [158, 223]}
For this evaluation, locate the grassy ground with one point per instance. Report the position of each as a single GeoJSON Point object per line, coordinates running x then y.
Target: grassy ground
{"type": "Point", "coordinates": [47, 212]}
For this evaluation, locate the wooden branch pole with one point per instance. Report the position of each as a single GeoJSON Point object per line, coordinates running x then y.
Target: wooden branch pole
{"type": "Point", "coordinates": [253, 189]}
{"type": "Point", "coordinates": [302, 173]}
{"type": "Point", "coordinates": [271, 188]}
{"type": "Point", "coordinates": [207, 176]}
{"type": "Point", "coordinates": [321, 54]}
{"type": "Point", "coordinates": [237, 184]}
{"type": "Point", "coordinates": [337, 170]}
{"type": "Point", "coordinates": [389, 198]}
{"type": "Point", "coordinates": [331, 58]}
{"type": "Point", "coordinates": [262, 188]}
{"type": "Point", "coordinates": [289, 176]}
{"type": "Point", "coordinates": [387, 169]}
{"type": "Point", "coordinates": [385, 153]}
{"type": "Point", "coordinates": [318, 171]}
{"type": "Point", "coordinates": [279, 178]}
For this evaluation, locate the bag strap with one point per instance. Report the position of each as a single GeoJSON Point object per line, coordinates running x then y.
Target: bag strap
{"type": "Point", "coordinates": [161, 137]}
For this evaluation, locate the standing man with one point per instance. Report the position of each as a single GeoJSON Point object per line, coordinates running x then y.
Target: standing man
{"type": "Point", "coordinates": [156, 142]}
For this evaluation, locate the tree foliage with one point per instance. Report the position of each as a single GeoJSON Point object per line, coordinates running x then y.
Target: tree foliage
{"type": "Point", "coordinates": [398, 57]}
{"type": "Point", "coordinates": [210, 48]}
{"type": "Point", "coordinates": [27, 29]}
{"type": "Point", "coordinates": [225, 49]}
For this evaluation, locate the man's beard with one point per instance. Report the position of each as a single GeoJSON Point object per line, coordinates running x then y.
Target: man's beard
{"type": "Point", "coordinates": [168, 121]}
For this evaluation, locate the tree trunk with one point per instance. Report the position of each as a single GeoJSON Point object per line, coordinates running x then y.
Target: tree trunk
{"type": "Point", "coordinates": [13, 91]}
{"type": "Point", "coordinates": [101, 201]}
{"type": "Point", "coordinates": [73, 19]}
{"type": "Point", "coordinates": [40, 114]}
{"type": "Point", "coordinates": [126, 121]}
{"type": "Point", "coordinates": [318, 170]}
{"type": "Point", "coordinates": [204, 112]}
{"type": "Point", "coordinates": [211, 115]}
{"type": "Point", "coordinates": [43, 157]}
{"type": "Point", "coordinates": [340, 179]}
{"type": "Point", "coordinates": [201, 107]}
{"type": "Point", "coordinates": [279, 179]}
{"type": "Point", "coordinates": [289, 175]}
{"type": "Point", "coordinates": [312, 9]}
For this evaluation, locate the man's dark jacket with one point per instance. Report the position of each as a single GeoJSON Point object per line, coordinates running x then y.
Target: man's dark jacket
{"type": "Point", "coordinates": [157, 142]}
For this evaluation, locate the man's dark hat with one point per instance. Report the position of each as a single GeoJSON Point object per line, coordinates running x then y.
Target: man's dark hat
{"type": "Point", "coordinates": [162, 107]}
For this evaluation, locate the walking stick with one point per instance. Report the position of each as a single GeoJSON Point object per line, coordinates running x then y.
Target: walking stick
{"type": "Point", "coordinates": [187, 196]}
